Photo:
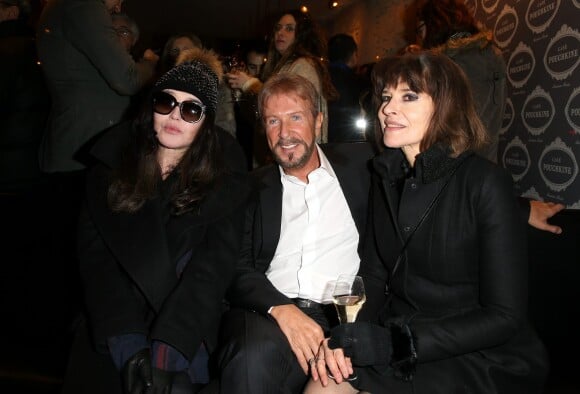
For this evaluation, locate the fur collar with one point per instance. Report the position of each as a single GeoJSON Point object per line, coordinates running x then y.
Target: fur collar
{"type": "Point", "coordinates": [455, 45]}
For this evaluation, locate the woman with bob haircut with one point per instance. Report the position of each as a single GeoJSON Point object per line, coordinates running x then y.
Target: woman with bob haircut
{"type": "Point", "coordinates": [445, 259]}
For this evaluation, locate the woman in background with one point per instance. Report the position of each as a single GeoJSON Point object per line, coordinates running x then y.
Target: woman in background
{"type": "Point", "coordinates": [448, 27]}
{"type": "Point", "coordinates": [296, 46]}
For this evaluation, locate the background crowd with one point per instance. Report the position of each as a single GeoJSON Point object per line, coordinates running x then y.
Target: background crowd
{"type": "Point", "coordinates": [83, 107]}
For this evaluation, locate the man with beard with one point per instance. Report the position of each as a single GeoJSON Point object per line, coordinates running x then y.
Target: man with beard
{"type": "Point", "coordinates": [302, 232]}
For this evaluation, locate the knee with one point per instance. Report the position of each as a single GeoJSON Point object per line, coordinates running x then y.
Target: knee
{"type": "Point", "coordinates": [315, 387]}
{"type": "Point", "coordinates": [253, 339]}
{"type": "Point", "coordinates": [256, 349]}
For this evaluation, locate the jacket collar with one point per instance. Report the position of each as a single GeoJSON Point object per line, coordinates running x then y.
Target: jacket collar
{"type": "Point", "coordinates": [430, 166]}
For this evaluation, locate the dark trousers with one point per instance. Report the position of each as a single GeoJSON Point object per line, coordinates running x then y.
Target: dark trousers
{"type": "Point", "coordinates": [256, 356]}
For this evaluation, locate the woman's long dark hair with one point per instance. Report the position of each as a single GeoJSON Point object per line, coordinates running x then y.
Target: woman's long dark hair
{"type": "Point", "coordinates": [139, 176]}
{"type": "Point", "coordinates": [443, 19]}
{"type": "Point", "coordinates": [310, 44]}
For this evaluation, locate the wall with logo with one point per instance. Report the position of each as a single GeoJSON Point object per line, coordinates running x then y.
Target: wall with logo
{"type": "Point", "coordinates": [540, 137]}
{"type": "Point", "coordinates": [540, 42]}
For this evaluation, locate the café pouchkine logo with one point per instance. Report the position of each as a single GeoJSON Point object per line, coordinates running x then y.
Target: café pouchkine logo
{"type": "Point", "coordinates": [508, 116]}
{"type": "Point", "coordinates": [516, 159]}
{"type": "Point", "coordinates": [573, 110]}
{"type": "Point", "coordinates": [538, 111]}
{"type": "Point", "coordinates": [505, 26]}
{"type": "Point", "coordinates": [563, 53]}
{"type": "Point", "coordinates": [558, 166]}
{"type": "Point", "coordinates": [540, 14]}
{"type": "Point", "coordinates": [521, 65]}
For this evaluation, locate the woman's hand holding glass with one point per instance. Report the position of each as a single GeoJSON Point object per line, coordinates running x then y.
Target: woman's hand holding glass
{"type": "Point", "coordinates": [237, 78]}
{"type": "Point", "coordinates": [235, 69]}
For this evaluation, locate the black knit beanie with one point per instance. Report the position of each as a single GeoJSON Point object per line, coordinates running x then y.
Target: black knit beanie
{"type": "Point", "coordinates": [197, 72]}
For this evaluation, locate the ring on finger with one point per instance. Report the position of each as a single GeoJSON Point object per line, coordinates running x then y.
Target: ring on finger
{"type": "Point", "coordinates": [312, 360]}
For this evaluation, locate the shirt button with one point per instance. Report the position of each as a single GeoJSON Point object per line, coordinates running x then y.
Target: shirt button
{"type": "Point", "coordinates": [407, 229]}
{"type": "Point", "coordinates": [413, 185]}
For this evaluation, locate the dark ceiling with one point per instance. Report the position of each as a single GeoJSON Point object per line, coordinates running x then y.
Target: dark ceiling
{"type": "Point", "coordinates": [219, 21]}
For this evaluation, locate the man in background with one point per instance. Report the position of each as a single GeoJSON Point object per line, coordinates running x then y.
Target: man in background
{"type": "Point", "coordinates": [255, 59]}
{"type": "Point", "coordinates": [91, 79]}
{"type": "Point", "coordinates": [24, 99]}
{"type": "Point", "coordinates": [344, 113]}
{"type": "Point", "coordinates": [247, 124]}
{"type": "Point", "coordinates": [127, 31]}
{"type": "Point", "coordinates": [89, 74]}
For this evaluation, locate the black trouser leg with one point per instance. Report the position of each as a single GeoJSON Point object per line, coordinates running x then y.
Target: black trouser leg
{"type": "Point", "coordinates": [256, 357]}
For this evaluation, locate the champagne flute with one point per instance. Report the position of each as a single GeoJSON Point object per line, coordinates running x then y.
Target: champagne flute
{"type": "Point", "coordinates": [348, 297]}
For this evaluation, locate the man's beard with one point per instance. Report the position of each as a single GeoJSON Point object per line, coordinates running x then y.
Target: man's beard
{"type": "Point", "coordinates": [293, 162]}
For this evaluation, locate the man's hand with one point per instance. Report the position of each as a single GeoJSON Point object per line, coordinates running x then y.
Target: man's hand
{"type": "Point", "coordinates": [540, 212]}
{"type": "Point", "coordinates": [303, 333]}
{"type": "Point", "coordinates": [331, 363]}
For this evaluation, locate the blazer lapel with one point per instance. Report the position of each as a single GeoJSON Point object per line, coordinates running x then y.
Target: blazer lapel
{"type": "Point", "coordinates": [138, 242]}
{"type": "Point", "coordinates": [271, 215]}
{"type": "Point", "coordinates": [354, 188]}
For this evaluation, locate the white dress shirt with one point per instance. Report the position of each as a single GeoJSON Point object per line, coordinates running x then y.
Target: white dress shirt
{"type": "Point", "coordinates": [318, 236]}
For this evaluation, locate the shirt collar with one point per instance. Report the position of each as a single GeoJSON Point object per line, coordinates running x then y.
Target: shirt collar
{"type": "Point", "coordinates": [324, 165]}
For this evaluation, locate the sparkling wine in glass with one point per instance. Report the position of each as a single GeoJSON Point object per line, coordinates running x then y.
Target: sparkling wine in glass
{"type": "Point", "coordinates": [349, 297]}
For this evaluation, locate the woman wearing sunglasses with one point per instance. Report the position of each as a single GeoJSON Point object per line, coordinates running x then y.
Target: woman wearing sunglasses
{"type": "Point", "coordinates": [158, 240]}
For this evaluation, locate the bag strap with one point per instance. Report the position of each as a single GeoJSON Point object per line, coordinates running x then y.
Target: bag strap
{"type": "Point", "coordinates": [421, 221]}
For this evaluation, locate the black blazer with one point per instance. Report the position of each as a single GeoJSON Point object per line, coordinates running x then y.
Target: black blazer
{"type": "Point", "coordinates": [251, 288]}
{"type": "Point", "coordinates": [128, 261]}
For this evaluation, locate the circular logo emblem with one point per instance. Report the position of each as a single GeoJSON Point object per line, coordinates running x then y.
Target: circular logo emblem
{"type": "Point", "coordinates": [508, 116]}
{"type": "Point", "coordinates": [489, 5]}
{"type": "Point", "coordinates": [520, 65]}
{"type": "Point", "coordinates": [505, 26]}
{"type": "Point", "coordinates": [516, 159]}
{"type": "Point", "coordinates": [563, 53]}
{"type": "Point", "coordinates": [540, 14]}
{"type": "Point", "coordinates": [558, 166]}
{"type": "Point", "coordinates": [538, 111]}
{"type": "Point", "coordinates": [573, 110]}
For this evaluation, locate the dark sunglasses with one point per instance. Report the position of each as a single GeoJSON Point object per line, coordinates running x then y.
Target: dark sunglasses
{"type": "Point", "coordinates": [191, 111]}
